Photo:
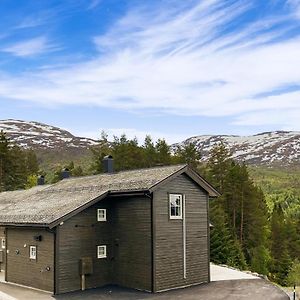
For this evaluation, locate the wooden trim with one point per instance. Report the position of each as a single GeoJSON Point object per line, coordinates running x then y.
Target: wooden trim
{"type": "Point", "coordinates": [184, 236]}
{"type": "Point", "coordinates": [76, 211]}
{"type": "Point", "coordinates": [153, 238]}
{"type": "Point", "coordinates": [55, 263]}
{"type": "Point", "coordinates": [6, 244]}
{"type": "Point", "coordinates": [212, 192]}
{"type": "Point", "coordinates": [167, 179]}
{"type": "Point", "coordinates": [208, 238]}
{"type": "Point", "coordinates": [40, 225]}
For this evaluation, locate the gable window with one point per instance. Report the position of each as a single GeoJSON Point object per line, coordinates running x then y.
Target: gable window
{"type": "Point", "coordinates": [101, 214]}
{"type": "Point", "coordinates": [101, 251]}
{"type": "Point", "coordinates": [3, 243]}
{"type": "Point", "coordinates": [32, 252]}
{"type": "Point", "coordinates": [175, 201]}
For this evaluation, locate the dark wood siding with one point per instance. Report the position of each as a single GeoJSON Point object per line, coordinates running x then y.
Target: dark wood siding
{"type": "Point", "coordinates": [3, 254]}
{"type": "Point", "coordinates": [79, 237]}
{"type": "Point", "coordinates": [168, 236]}
{"type": "Point", "coordinates": [20, 268]}
{"type": "Point", "coordinates": [127, 235]}
{"type": "Point", "coordinates": [132, 233]}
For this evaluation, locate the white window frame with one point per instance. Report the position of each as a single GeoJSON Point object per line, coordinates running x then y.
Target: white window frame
{"type": "Point", "coordinates": [99, 217]}
{"type": "Point", "coordinates": [32, 252]}
{"type": "Point", "coordinates": [99, 252]}
{"type": "Point", "coordinates": [172, 197]}
{"type": "Point", "coordinates": [3, 245]}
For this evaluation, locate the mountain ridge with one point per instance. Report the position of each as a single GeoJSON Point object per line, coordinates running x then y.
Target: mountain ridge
{"type": "Point", "coordinates": [274, 148]}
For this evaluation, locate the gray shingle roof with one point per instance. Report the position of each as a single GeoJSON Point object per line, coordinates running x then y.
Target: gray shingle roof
{"type": "Point", "coordinates": [45, 204]}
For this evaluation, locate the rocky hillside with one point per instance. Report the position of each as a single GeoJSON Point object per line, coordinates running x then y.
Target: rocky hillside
{"type": "Point", "coordinates": [281, 148]}
{"type": "Point", "coordinates": [42, 137]}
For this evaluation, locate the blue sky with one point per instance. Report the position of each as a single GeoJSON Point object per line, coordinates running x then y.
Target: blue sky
{"type": "Point", "coordinates": [169, 68]}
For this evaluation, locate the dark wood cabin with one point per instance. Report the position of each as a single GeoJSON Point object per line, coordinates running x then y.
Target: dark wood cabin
{"type": "Point", "coordinates": [146, 229]}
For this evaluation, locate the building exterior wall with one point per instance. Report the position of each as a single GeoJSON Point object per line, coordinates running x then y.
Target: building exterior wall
{"type": "Point", "coordinates": [133, 243]}
{"type": "Point", "coordinates": [168, 236]}
{"type": "Point", "coordinates": [20, 268]}
{"type": "Point", "coordinates": [2, 250]}
{"type": "Point", "coordinates": [127, 235]}
{"type": "Point", "coordinates": [79, 237]}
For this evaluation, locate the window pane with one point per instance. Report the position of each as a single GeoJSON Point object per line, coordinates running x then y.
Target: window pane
{"type": "Point", "coordinates": [175, 205]}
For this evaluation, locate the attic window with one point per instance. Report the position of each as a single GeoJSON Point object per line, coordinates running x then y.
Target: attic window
{"type": "Point", "coordinates": [32, 252]}
{"type": "Point", "coordinates": [175, 201]}
{"type": "Point", "coordinates": [101, 251]}
{"type": "Point", "coordinates": [101, 214]}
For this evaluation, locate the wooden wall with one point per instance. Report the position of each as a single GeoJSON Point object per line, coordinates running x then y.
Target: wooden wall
{"type": "Point", "coordinates": [20, 268]}
{"type": "Point", "coordinates": [132, 234]}
{"type": "Point", "coordinates": [168, 236]}
{"type": "Point", "coordinates": [127, 235]}
{"type": "Point", "coordinates": [2, 236]}
{"type": "Point", "coordinates": [79, 237]}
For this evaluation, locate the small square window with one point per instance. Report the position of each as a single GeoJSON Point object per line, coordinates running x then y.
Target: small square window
{"type": "Point", "coordinates": [101, 251]}
{"type": "Point", "coordinates": [3, 243]}
{"type": "Point", "coordinates": [175, 201]}
{"type": "Point", "coordinates": [101, 214]}
{"type": "Point", "coordinates": [32, 252]}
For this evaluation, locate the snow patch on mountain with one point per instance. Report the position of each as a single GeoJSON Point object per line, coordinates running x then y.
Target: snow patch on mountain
{"type": "Point", "coordinates": [268, 148]}
{"type": "Point", "coordinates": [37, 135]}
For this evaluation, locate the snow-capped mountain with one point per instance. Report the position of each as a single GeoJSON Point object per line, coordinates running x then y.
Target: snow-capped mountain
{"type": "Point", "coordinates": [268, 148]}
{"type": "Point", "coordinates": [40, 136]}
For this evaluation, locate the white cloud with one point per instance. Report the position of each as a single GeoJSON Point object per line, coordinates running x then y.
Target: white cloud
{"type": "Point", "coordinates": [30, 47]}
{"type": "Point", "coordinates": [295, 5]}
{"type": "Point", "coordinates": [177, 60]}
{"type": "Point", "coordinates": [132, 133]}
{"type": "Point", "coordinates": [93, 4]}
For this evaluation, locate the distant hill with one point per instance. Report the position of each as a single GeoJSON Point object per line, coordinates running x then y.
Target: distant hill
{"type": "Point", "coordinates": [277, 148]}
{"type": "Point", "coordinates": [53, 144]}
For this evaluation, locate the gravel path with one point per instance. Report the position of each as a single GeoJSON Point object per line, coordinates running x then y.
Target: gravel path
{"type": "Point", "coordinates": [218, 273]}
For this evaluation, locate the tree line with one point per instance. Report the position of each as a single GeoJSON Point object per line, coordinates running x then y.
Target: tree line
{"type": "Point", "coordinates": [246, 232]}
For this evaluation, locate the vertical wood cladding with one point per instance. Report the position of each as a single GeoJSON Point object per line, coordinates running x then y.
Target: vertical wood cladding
{"type": "Point", "coordinates": [23, 270]}
{"type": "Point", "coordinates": [79, 237]}
{"type": "Point", "coordinates": [168, 236]}
{"type": "Point", "coordinates": [2, 236]}
{"type": "Point", "coordinates": [133, 263]}
{"type": "Point", "coordinates": [127, 235]}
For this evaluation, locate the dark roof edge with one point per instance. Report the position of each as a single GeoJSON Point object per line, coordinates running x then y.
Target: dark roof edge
{"type": "Point", "coordinates": [14, 224]}
{"type": "Point", "coordinates": [77, 210]}
{"type": "Point", "coordinates": [167, 179]}
{"type": "Point", "coordinates": [212, 192]}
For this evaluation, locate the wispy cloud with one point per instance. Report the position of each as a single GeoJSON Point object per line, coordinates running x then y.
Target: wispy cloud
{"type": "Point", "coordinates": [30, 47]}
{"type": "Point", "coordinates": [295, 4]}
{"type": "Point", "coordinates": [184, 58]}
{"type": "Point", "coordinates": [133, 133]}
{"type": "Point", "coordinates": [93, 4]}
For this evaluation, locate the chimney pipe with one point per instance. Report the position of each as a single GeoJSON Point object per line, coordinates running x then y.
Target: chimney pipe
{"type": "Point", "coordinates": [65, 173]}
{"type": "Point", "coordinates": [108, 164]}
{"type": "Point", "coordinates": [41, 180]}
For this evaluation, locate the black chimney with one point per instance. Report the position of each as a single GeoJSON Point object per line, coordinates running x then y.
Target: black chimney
{"type": "Point", "coordinates": [108, 164]}
{"type": "Point", "coordinates": [41, 180]}
{"type": "Point", "coordinates": [65, 173]}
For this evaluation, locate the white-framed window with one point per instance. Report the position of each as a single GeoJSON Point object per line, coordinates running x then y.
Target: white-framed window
{"type": "Point", "coordinates": [175, 208]}
{"type": "Point", "coordinates": [101, 214]}
{"type": "Point", "coordinates": [32, 252]}
{"type": "Point", "coordinates": [3, 243]}
{"type": "Point", "coordinates": [101, 251]}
